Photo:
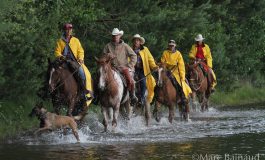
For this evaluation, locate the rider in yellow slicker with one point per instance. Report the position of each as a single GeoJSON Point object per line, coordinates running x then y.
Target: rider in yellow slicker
{"type": "Point", "coordinates": [175, 63]}
{"type": "Point", "coordinates": [145, 63]}
{"type": "Point", "coordinates": [75, 52]}
{"type": "Point", "coordinates": [201, 51]}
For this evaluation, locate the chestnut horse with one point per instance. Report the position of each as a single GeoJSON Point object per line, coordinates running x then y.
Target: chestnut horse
{"type": "Point", "coordinates": [64, 89]}
{"type": "Point", "coordinates": [199, 83]}
{"type": "Point", "coordinates": [166, 94]}
{"type": "Point", "coordinates": [112, 91]}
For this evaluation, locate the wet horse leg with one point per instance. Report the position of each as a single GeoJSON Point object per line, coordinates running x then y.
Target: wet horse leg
{"type": "Point", "coordinates": [187, 112]}
{"type": "Point", "coordinates": [194, 104]}
{"type": "Point", "coordinates": [71, 106]}
{"type": "Point", "coordinates": [171, 113]}
{"type": "Point", "coordinates": [116, 110]}
{"type": "Point", "coordinates": [147, 112]}
{"type": "Point", "coordinates": [157, 112]}
{"type": "Point", "coordinates": [204, 101]}
{"type": "Point", "coordinates": [105, 118]}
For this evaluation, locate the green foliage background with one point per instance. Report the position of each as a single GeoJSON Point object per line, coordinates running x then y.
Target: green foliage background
{"type": "Point", "coordinates": [234, 30]}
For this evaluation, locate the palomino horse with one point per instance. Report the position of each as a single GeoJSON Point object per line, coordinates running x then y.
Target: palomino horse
{"type": "Point", "coordinates": [65, 90]}
{"type": "Point", "coordinates": [199, 84]}
{"type": "Point", "coordinates": [166, 94]}
{"type": "Point", "coordinates": [112, 91]}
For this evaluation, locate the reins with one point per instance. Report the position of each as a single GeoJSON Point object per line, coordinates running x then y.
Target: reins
{"type": "Point", "coordinates": [200, 83]}
{"type": "Point", "coordinates": [60, 84]}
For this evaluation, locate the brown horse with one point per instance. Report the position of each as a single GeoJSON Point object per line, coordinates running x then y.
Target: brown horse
{"type": "Point", "coordinates": [166, 94]}
{"type": "Point", "coordinates": [199, 83]}
{"type": "Point", "coordinates": [112, 91]}
{"type": "Point", "coordinates": [65, 90]}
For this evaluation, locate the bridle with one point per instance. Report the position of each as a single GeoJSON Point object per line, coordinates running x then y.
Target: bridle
{"type": "Point", "coordinates": [199, 84]}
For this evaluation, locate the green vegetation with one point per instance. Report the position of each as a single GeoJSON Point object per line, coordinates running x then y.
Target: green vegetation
{"type": "Point", "coordinates": [246, 94]}
{"type": "Point", "coordinates": [234, 30]}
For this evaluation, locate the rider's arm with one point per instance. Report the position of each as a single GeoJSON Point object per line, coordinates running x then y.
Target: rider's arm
{"type": "Point", "coordinates": [58, 49]}
{"type": "Point", "coordinates": [192, 53]}
{"type": "Point", "coordinates": [208, 56]}
{"type": "Point", "coordinates": [151, 60]}
{"type": "Point", "coordinates": [80, 52]}
{"type": "Point", "coordinates": [132, 56]}
{"type": "Point", "coordinates": [181, 67]}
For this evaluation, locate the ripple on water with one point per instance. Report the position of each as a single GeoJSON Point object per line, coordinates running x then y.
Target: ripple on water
{"type": "Point", "coordinates": [213, 123]}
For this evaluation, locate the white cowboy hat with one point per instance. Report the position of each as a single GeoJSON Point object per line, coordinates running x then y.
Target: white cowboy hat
{"type": "Point", "coordinates": [139, 37]}
{"type": "Point", "coordinates": [199, 37]}
{"type": "Point", "coordinates": [116, 31]}
{"type": "Point", "coordinates": [172, 42]}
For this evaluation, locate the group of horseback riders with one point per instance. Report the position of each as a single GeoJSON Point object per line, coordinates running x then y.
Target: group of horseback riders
{"type": "Point", "coordinates": [137, 59]}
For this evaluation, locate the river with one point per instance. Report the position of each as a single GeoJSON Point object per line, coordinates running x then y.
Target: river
{"type": "Point", "coordinates": [224, 133]}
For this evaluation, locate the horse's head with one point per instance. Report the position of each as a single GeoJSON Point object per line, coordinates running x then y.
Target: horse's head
{"type": "Point", "coordinates": [162, 74]}
{"type": "Point", "coordinates": [55, 73]}
{"type": "Point", "coordinates": [194, 74]}
{"type": "Point", "coordinates": [104, 64]}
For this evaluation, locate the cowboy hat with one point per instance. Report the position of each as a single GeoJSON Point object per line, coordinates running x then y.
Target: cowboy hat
{"type": "Point", "coordinates": [137, 36]}
{"type": "Point", "coordinates": [172, 43]}
{"type": "Point", "coordinates": [116, 31]}
{"type": "Point", "coordinates": [199, 37]}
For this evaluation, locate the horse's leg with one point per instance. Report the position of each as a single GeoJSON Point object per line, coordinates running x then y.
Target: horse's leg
{"type": "Point", "coordinates": [116, 110]}
{"type": "Point", "coordinates": [56, 106]}
{"type": "Point", "coordinates": [71, 106]}
{"type": "Point", "coordinates": [187, 112]}
{"type": "Point", "coordinates": [105, 118]}
{"type": "Point", "coordinates": [129, 109]}
{"type": "Point", "coordinates": [171, 113]}
{"type": "Point", "coordinates": [204, 101]}
{"type": "Point", "coordinates": [156, 111]}
{"type": "Point", "coordinates": [194, 105]}
{"type": "Point", "coordinates": [147, 112]}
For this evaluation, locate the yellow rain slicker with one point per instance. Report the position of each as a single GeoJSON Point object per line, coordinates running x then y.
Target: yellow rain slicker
{"type": "Point", "coordinates": [175, 63]}
{"type": "Point", "coordinates": [78, 52]}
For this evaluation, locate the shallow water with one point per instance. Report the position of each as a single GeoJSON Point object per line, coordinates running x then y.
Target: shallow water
{"type": "Point", "coordinates": [222, 133]}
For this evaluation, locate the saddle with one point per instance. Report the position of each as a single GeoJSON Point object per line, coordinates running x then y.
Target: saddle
{"type": "Point", "coordinates": [204, 68]}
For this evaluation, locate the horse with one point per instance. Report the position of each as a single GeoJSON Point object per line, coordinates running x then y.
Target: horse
{"type": "Point", "coordinates": [64, 89]}
{"type": "Point", "coordinates": [166, 94]}
{"type": "Point", "coordinates": [142, 106]}
{"type": "Point", "coordinates": [112, 92]}
{"type": "Point", "coordinates": [199, 83]}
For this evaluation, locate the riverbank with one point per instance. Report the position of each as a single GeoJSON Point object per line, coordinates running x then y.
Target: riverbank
{"type": "Point", "coordinates": [14, 115]}
{"type": "Point", "coordinates": [240, 96]}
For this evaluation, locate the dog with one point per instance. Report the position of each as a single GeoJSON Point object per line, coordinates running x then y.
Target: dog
{"type": "Point", "coordinates": [51, 121]}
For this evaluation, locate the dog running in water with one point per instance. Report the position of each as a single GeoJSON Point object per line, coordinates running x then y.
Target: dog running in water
{"type": "Point", "coordinates": [51, 121]}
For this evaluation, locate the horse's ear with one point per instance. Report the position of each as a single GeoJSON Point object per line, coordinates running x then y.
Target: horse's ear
{"type": "Point", "coordinates": [49, 60]}
{"type": "Point", "coordinates": [96, 58]}
{"type": "Point", "coordinates": [110, 56]}
{"type": "Point", "coordinates": [39, 105]}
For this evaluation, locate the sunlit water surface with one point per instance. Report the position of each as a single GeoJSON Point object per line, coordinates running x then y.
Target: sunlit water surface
{"type": "Point", "coordinates": [220, 132]}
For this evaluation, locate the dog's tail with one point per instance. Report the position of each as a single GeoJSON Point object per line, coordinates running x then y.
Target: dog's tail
{"type": "Point", "coordinates": [79, 117]}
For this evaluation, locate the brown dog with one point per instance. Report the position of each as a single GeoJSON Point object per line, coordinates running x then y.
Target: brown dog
{"type": "Point", "coordinates": [51, 121]}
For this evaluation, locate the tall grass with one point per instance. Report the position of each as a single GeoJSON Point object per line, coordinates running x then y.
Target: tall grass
{"type": "Point", "coordinates": [245, 94]}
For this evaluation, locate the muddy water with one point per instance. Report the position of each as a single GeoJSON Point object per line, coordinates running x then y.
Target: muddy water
{"type": "Point", "coordinates": [221, 133]}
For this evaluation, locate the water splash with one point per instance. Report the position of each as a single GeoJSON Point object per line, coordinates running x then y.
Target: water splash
{"type": "Point", "coordinates": [215, 122]}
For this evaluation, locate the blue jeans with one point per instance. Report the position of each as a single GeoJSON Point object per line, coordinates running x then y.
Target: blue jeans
{"type": "Point", "coordinates": [82, 75]}
{"type": "Point", "coordinates": [142, 83]}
